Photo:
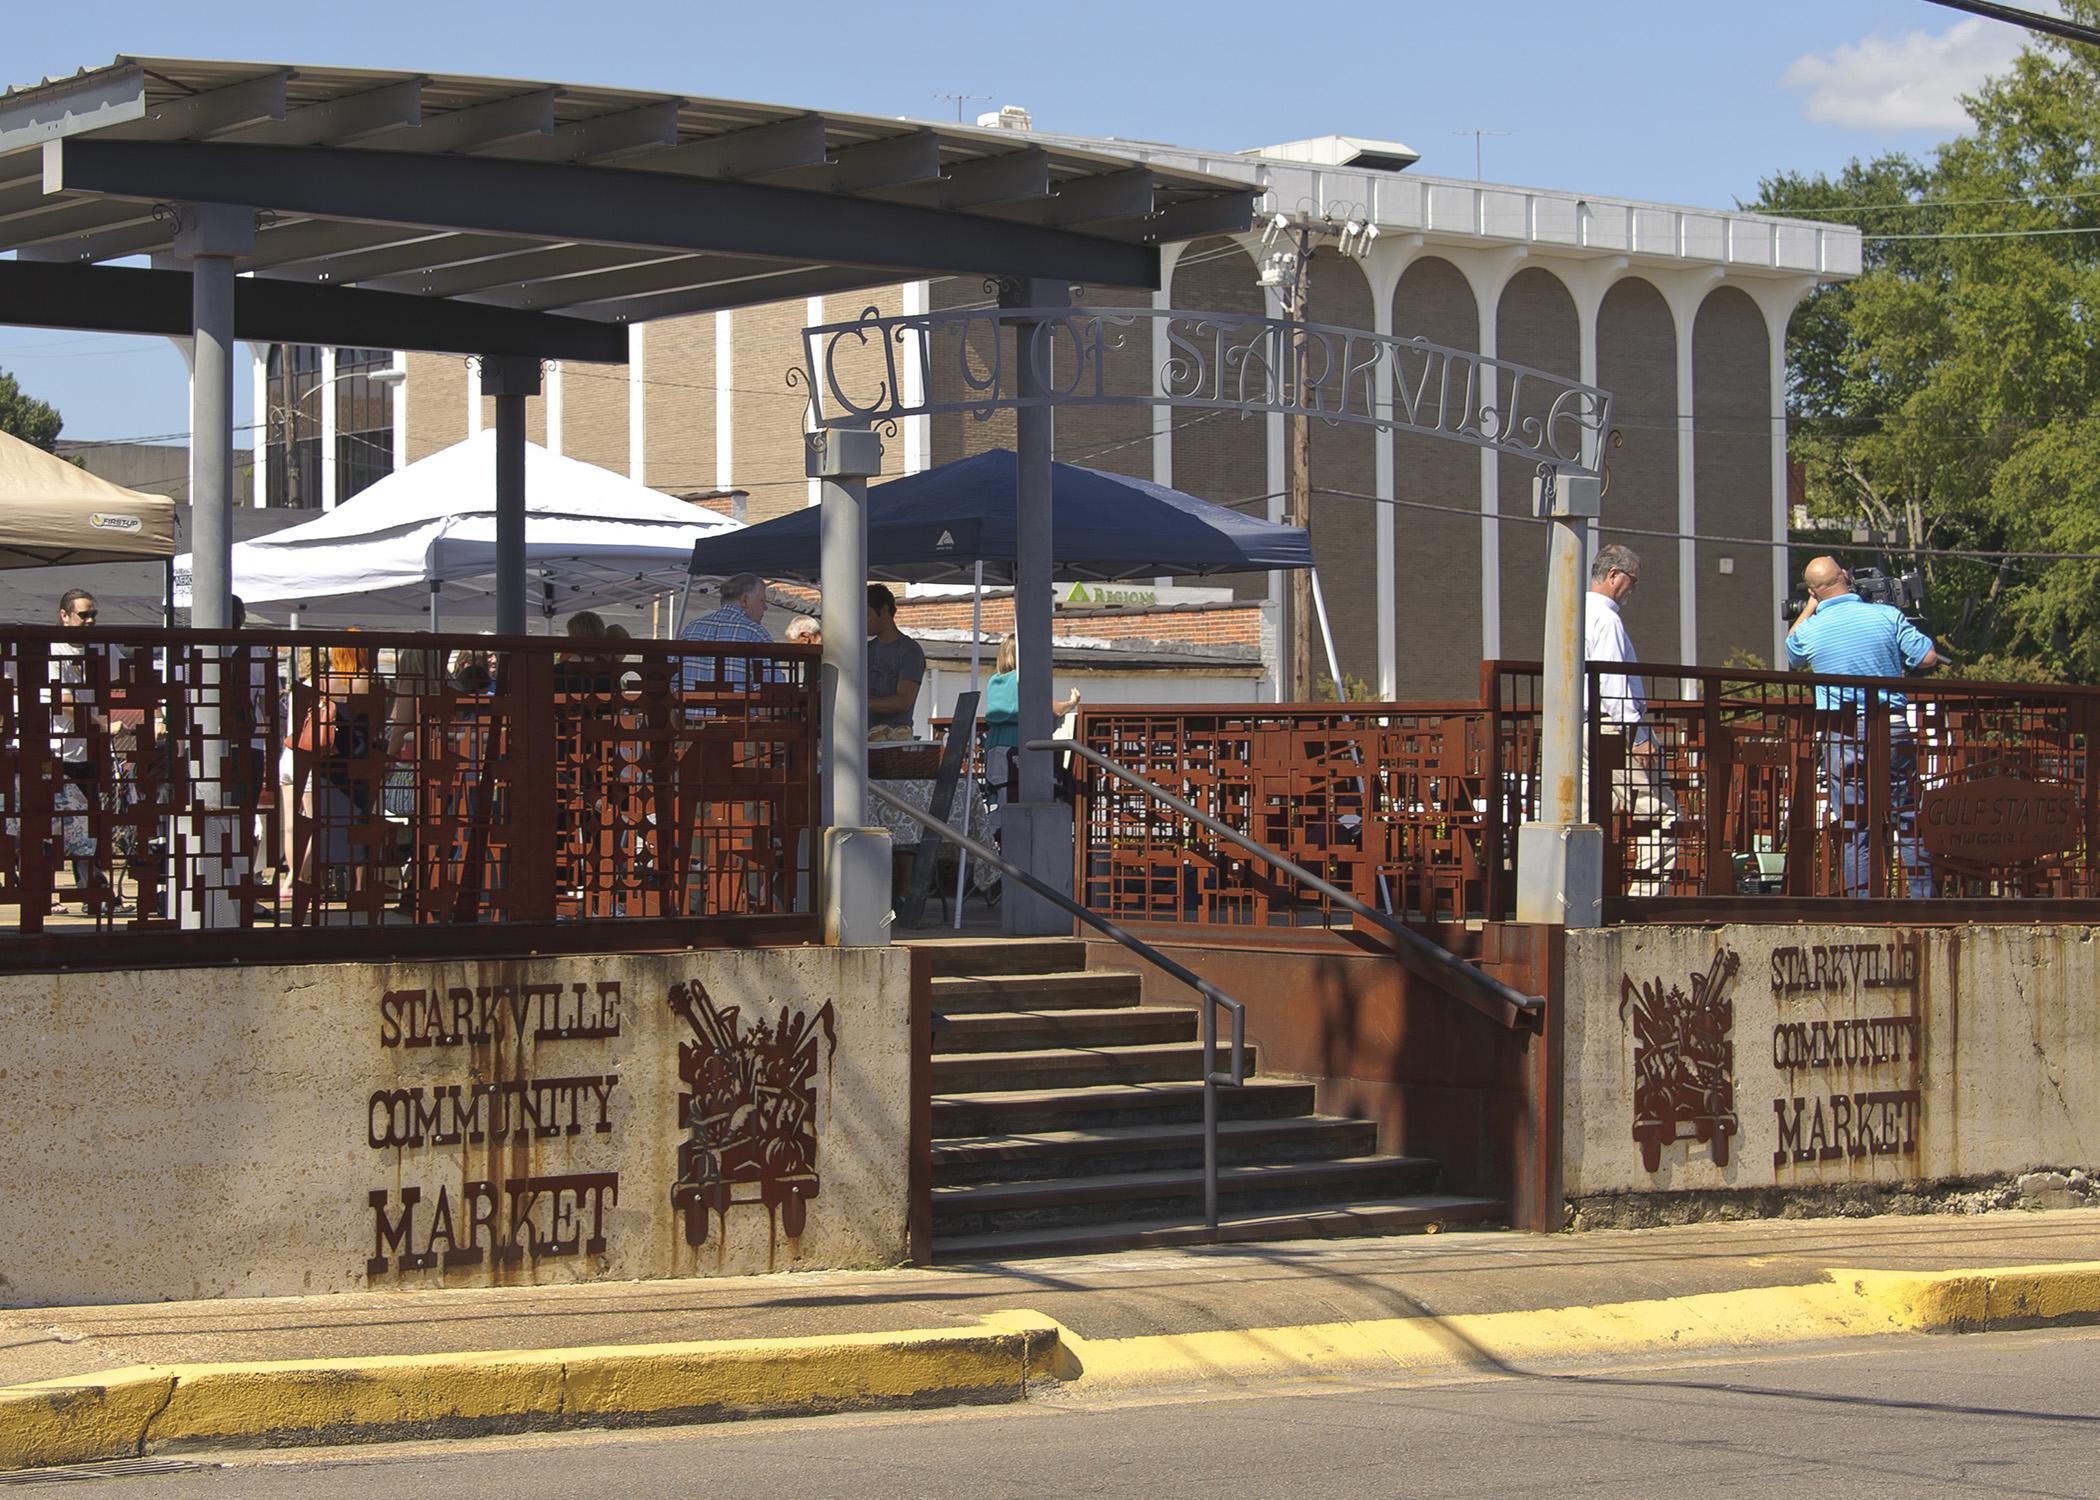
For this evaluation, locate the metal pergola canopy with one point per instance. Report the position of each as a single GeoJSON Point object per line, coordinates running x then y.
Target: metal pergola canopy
{"type": "Point", "coordinates": [481, 215]}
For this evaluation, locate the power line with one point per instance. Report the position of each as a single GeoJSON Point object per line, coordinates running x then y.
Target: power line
{"type": "Point", "coordinates": [1975, 554]}
{"type": "Point", "coordinates": [2056, 26]}
{"type": "Point", "coordinates": [1983, 234]}
{"type": "Point", "coordinates": [2036, 199]}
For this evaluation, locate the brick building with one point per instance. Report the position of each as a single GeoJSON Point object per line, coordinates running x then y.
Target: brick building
{"type": "Point", "coordinates": [1680, 313]}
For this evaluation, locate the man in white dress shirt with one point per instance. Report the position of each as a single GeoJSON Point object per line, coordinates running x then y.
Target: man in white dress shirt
{"type": "Point", "coordinates": [1638, 790]}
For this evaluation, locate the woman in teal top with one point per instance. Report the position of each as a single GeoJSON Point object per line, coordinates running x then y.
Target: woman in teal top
{"type": "Point", "coordinates": [1002, 712]}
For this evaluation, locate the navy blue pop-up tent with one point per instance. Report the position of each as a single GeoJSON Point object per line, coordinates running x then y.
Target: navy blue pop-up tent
{"type": "Point", "coordinates": [935, 527]}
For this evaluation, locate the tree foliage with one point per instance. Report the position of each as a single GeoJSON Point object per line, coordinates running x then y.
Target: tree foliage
{"type": "Point", "coordinates": [1950, 396]}
{"type": "Point", "coordinates": [25, 417]}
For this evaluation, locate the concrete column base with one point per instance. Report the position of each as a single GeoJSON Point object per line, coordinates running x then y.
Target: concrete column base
{"type": "Point", "coordinates": [854, 874]}
{"type": "Point", "coordinates": [1560, 874]}
{"type": "Point", "coordinates": [1037, 836]}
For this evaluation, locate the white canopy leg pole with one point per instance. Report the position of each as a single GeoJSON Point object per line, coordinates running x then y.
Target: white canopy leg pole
{"type": "Point", "coordinates": [1334, 673]}
{"type": "Point", "coordinates": [433, 606]}
{"type": "Point", "coordinates": [962, 856]}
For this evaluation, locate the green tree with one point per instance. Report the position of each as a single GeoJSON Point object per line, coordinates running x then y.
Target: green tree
{"type": "Point", "coordinates": [1950, 396]}
{"type": "Point", "coordinates": [25, 417]}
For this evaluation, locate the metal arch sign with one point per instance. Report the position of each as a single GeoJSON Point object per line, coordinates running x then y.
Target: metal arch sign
{"type": "Point", "coordinates": [879, 370]}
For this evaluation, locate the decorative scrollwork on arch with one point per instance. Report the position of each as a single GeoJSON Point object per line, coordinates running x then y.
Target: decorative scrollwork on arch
{"type": "Point", "coordinates": [873, 369]}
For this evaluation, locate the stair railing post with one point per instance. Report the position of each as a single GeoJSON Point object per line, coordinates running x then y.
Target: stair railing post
{"type": "Point", "coordinates": [1210, 1117]}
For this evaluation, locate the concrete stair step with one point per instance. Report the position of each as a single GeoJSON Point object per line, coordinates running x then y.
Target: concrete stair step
{"type": "Point", "coordinates": [1071, 1067]}
{"type": "Point", "coordinates": [969, 994]}
{"type": "Point", "coordinates": [1019, 1030]}
{"type": "Point", "coordinates": [977, 957]}
{"type": "Point", "coordinates": [1090, 1107]}
{"type": "Point", "coordinates": [1152, 1147]}
{"type": "Point", "coordinates": [1399, 1215]}
{"type": "Point", "coordinates": [996, 1207]}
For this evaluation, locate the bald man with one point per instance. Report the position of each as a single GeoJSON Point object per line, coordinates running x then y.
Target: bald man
{"type": "Point", "coordinates": [1839, 634]}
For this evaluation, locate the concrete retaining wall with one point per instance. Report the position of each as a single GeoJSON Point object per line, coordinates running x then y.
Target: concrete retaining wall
{"type": "Point", "coordinates": [1707, 1059]}
{"type": "Point", "coordinates": [285, 1130]}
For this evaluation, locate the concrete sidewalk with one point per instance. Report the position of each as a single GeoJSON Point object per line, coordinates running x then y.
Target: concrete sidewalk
{"type": "Point", "coordinates": [630, 1351]}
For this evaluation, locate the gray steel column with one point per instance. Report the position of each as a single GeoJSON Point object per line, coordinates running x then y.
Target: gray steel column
{"type": "Point", "coordinates": [1037, 829]}
{"type": "Point", "coordinates": [510, 379]}
{"type": "Point", "coordinates": [1560, 859]}
{"type": "Point", "coordinates": [210, 236]}
{"type": "Point", "coordinates": [855, 860]}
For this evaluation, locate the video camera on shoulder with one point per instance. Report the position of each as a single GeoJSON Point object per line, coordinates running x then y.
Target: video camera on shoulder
{"type": "Point", "coordinates": [1906, 591]}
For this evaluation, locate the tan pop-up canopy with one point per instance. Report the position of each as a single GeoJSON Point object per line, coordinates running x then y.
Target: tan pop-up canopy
{"type": "Point", "coordinates": [55, 512]}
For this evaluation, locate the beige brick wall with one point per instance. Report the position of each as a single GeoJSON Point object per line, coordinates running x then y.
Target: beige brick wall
{"type": "Point", "coordinates": [594, 414]}
{"type": "Point", "coordinates": [1217, 455]}
{"type": "Point", "coordinates": [766, 411]}
{"type": "Point", "coordinates": [535, 415]}
{"type": "Point", "coordinates": [437, 403]}
{"type": "Point", "coordinates": [1344, 457]}
{"type": "Point", "coordinates": [958, 434]}
{"type": "Point", "coordinates": [1535, 326]}
{"type": "Point", "coordinates": [1637, 363]}
{"type": "Point", "coordinates": [678, 404]}
{"type": "Point", "coordinates": [1437, 556]}
{"type": "Point", "coordinates": [1732, 467]}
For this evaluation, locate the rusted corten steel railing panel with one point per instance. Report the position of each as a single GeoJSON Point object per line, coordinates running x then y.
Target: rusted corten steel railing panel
{"type": "Point", "coordinates": [1811, 788]}
{"type": "Point", "coordinates": [1759, 800]}
{"type": "Point", "coordinates": [1391, 802]}
{"type": "Point", "coordinates": [290, 783]}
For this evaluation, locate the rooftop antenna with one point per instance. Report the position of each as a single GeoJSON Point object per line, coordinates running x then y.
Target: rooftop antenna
{"type": "Point", "coordinates": [1477, 137]}
{"type": "Point", "coordinates": [959, 100]}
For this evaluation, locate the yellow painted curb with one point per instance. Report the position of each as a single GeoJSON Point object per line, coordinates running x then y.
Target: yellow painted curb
{"type": "Point", "coordinates": [75, 1420]}
{"type": "Point", "coordinates": [155, 1408]}
{"type": "Point", "coordinates": [1980, 1300]}
{"type": "Point", "coordinates": [1850, 1304]}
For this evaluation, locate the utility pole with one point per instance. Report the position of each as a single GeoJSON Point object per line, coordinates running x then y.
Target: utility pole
{"type": "Point", "coordinates": [1297, 485]}
{"type": "Point", "coordinates": [1478, 137]}
{"type": "Point", "coordinates": [1288, 271]}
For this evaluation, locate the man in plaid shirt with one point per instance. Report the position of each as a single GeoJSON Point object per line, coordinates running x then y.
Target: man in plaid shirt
{"type": "Point", "coordinates": [743, 607]}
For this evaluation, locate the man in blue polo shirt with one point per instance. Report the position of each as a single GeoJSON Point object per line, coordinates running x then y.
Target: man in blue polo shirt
{"type": "Point", "coordinates": [1839, 634]}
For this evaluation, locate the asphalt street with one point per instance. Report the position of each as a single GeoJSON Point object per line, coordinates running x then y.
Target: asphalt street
{"type": "Point", "coordinates": [1981, 1415]}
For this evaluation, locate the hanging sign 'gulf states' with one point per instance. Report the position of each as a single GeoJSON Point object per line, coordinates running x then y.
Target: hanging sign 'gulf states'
{"type": "Point", "coordinates": [1999, 820]}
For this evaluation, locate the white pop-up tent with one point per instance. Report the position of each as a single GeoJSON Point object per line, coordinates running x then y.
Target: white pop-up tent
{"type": "Point", "coordinates": [421, 545]}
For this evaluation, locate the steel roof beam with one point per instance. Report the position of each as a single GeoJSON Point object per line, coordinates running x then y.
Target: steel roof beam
{"type": "Point", "coordinates": [112, 299]}
{"type": "Point", "coordinates": [1094, 200]}
{"type": "Point", "coordinates": [104, 244]}
{"type": "Point", "coordinates": [530, 265]}
{"type": "Point", "coordinates": [340, 121]}
{"type": "Point", "coordinates": [602, 137]}
{"type": "Point", "coordinates": [1007, 178]}
{"type": "Point", "coordinates": [69, 217]}
{"type": "Point", "coordinates": [220, 110]}
{"type": "Point", "coordinates": [289, 243]}
{"type": "Point", "coordinates": [593, 205]}
{"type": "Point", "coordinates": [677, 273]}
{"type": "Point", "coordinates": [384, 257]}
{"type": "Point", "coordinates": [478, 126]}
{"type": "Point", "coordinates": [772, 286]}
{"type": "Point", "coordinates": [896, 162]}
{"type": "Point", "coordinates": [756, 151]}
{"type": "Point", "coordinates": [1192, 220]}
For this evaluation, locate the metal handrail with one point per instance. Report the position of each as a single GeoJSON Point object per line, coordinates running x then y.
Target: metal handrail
{"type": "Point", "coordinates": [1213, 997]}
{"type": "Point", "coordinates": [1417, 954]}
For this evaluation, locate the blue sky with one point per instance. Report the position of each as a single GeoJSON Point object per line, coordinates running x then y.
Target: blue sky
{"type": "Point", "coordinates": [1684, 101]}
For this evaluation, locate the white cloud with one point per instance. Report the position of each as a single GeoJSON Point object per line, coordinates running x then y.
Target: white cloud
{"type": "Point", "coordinates": [1910, 82]}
